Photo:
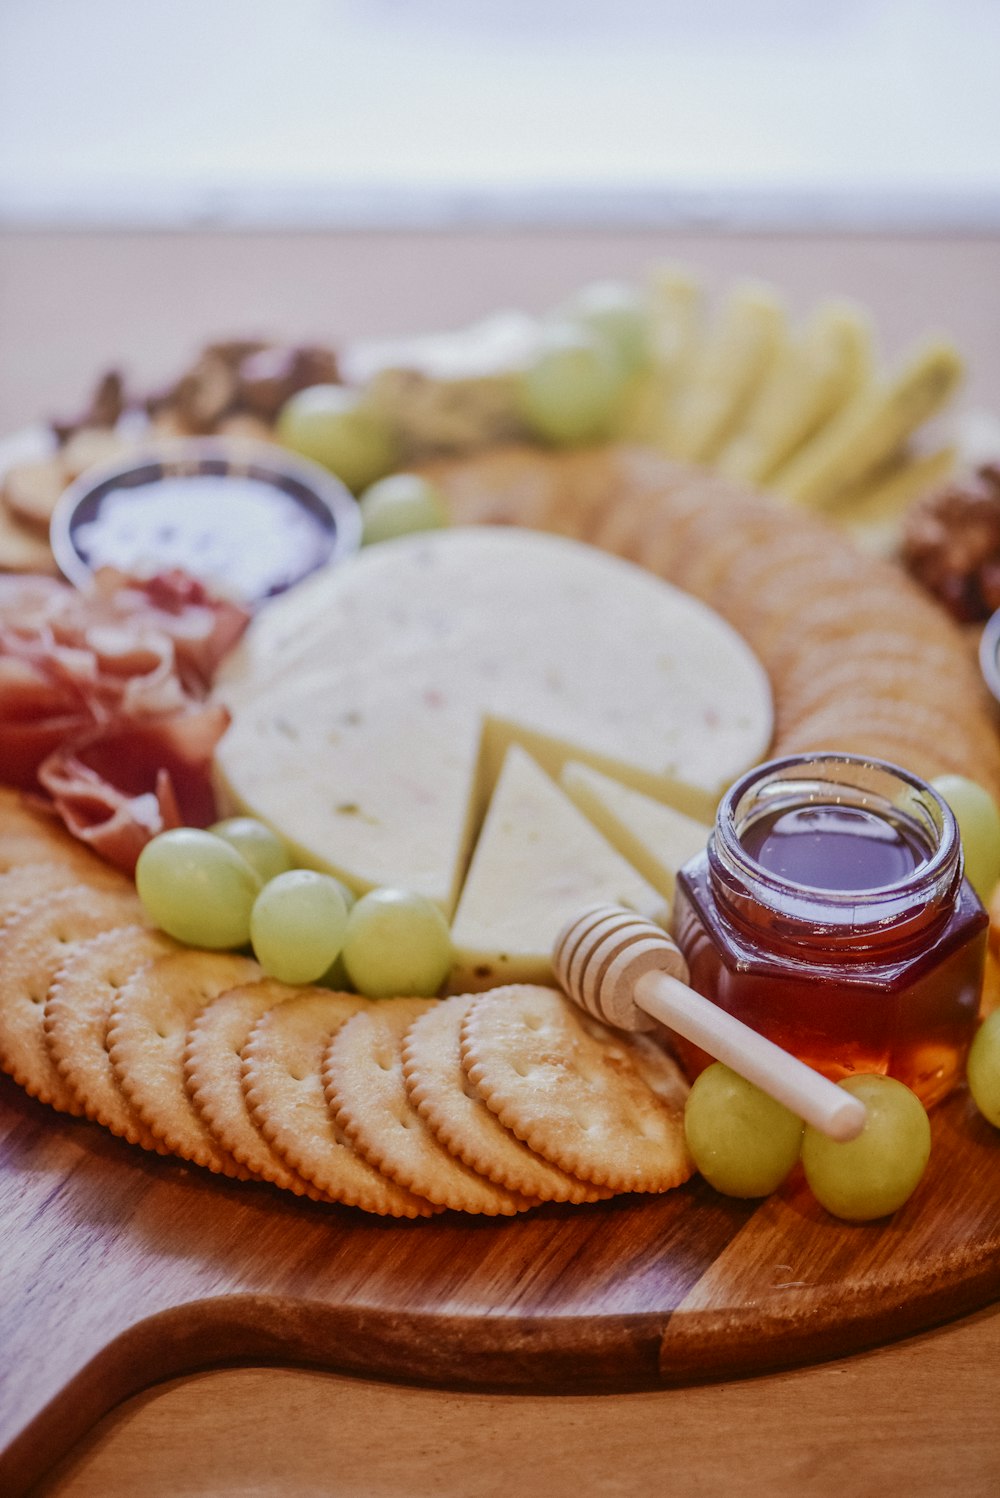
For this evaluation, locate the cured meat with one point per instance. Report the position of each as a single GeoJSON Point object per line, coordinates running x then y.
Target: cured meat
{"type": "Point", "coordinates": [103, 701]}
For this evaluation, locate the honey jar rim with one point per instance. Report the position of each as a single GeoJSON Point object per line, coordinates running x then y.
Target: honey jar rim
{"type": "Point", "coordinates": [919, 895]}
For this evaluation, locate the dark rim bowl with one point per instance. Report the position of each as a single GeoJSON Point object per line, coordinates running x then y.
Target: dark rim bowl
{"type": "Point", "coordinates": [329, 502]}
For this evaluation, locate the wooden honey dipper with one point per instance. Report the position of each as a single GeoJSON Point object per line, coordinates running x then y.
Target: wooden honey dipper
{"type": "Point", "coordinates": [628, 972]}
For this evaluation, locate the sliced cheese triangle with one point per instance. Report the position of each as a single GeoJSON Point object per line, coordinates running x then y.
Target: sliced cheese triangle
{"type": "Point", "coordinates": [656, 839]}
{"type": "Point", "coordinates": [565, 648]}
{"type": "Point", "coordinates": [396, 683]}
{"type": "Point", "coordinates": [375, 782]}
{"type": "Point", "coordinates": [538, 862]}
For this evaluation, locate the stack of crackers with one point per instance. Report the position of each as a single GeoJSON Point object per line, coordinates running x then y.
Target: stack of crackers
{"type": "Point", "coordinates": [860, 658]}
{"type": "Point", "coordinates": [489, 1103]}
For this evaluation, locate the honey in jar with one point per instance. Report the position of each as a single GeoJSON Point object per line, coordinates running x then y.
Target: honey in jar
{"type": "Point", "coordinates": [830, 913]}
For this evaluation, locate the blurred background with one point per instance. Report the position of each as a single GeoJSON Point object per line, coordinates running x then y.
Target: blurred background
{"type": "Point", "coordinates": [183, 168]}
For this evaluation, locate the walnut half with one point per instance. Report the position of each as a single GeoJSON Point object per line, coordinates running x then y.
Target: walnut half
{"type": "Point", "coordinates": [951, 544]}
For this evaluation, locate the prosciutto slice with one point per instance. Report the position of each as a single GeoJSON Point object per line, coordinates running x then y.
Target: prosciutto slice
{"type": "Point", "coordinates": [103, 702]}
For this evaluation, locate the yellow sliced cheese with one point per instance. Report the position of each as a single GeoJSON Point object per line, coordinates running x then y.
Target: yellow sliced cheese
{"type": "Point", "coordinates": [813, 375]}
{"type": "Point", "coordinates": [537, 863]}
{"type": "Point", "coordinates": [872, 513]}
{"type": "Point", "coordinates": [586, 655]}
{"type": "Point", "coordinates": [655, 838]}
{"type": "Point", "coordinates": [870, 429]}
{"type": "Point", "coordinates": [399, 680]}
{"type": "Point", "coordinates": [727, 370]}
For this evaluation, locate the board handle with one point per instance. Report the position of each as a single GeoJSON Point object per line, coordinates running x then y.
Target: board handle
{"type": "Point", "coordinates": [628, 972]}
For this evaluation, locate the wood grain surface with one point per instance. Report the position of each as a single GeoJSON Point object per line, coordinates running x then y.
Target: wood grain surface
{"type": "Point", "coordinates": [121, 1269]}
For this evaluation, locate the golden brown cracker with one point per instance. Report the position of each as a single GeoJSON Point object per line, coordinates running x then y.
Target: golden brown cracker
{"type": "Point", "coordinates": [712, 544]}
{"type": "Point", "coordinates": [32, 835]}
{"type": "Point", "coordinates": [886, 678]}
{"type": "Point", "coordinates": [573, 1092]}
{"type": "Point", "coordinates": [866, 645]}
{"type": "Point", "coordinates": [34, 944]}
{"type": "Point", "coordinates": [147, 1029]}
{"type": "Point", "coordinates": [879, 718]}
{"type": "Point", "coordinates": [454, 1110]}
{"type": "Point", "coordinates": [283, 1085]}
{"type": "Point", "coordinates": [366, 1092]}
{"type": "Point", "coordinates": [24, 882]}
{"type": "Point", "coordinates": [77, 1011]}
{"type": "Point", "coordinates": [658, 546]}
{"type": "Point", "coordinates": [23, 549]}
{"type": "Point", "coordinates": [213, 1073]}
{"type": "Point", "coordinates": [31, 491]}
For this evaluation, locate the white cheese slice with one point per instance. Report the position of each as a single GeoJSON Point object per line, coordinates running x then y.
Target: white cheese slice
{"type": "Point", "coordinates": [571, 651]}
{"type": "Point", "coordinates": [399, 680]}
{"type": "Point", "coordinates": [343, 778]}
{"type": "Point", "coordinates": [537, 863]}
{"type": "Point", "coordinates": [655, 838]}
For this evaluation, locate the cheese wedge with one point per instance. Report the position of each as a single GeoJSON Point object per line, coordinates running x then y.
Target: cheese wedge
{"type": "Point", "coordinates": [655, 839]}
{"type": "Point", "coordinates": [343, 777]}
{"type": "Point", "coordinates": [399, 681]}
{"type": "Point", "coordinates": [589, 656]}
{"type": "Point", "coordinates": [537, 863]}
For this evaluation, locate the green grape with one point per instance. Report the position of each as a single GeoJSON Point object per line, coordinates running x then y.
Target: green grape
{"type": "Point", "coordinates": [396, 943]}
{"type": "Point", "coordinates": [262, 848]}
{"type": "Point", "coordinates": [571, 390]}
{"type": "Point", "coordinates": [978, 819]}
{"type": "Point", "coordinates": [332, 425]}
{"type": "Point", "coordinates": [742, 1141]}
{"type": "Point", "coordinates": [197, 888]}
{"type": "Point", "coordinates": [983, 1069]}
{"type": "Point", "coordinates": [298, 924]}
{"type": "Point", "coordinates": [874, 1174]}
{"type": "Point", "coordinates": [399, 504]}
{"type": "Point", "coordinates": [616, 312]}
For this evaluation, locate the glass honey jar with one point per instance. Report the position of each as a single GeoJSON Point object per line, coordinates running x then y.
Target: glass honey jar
{"type": "Point", "coordinates": [830, 912]}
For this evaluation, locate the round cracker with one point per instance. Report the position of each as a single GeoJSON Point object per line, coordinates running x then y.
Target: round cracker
{"type": "Point", "coordinates": [658, 548]}
{"type": "Point", "coordinates": [22, 549]}
{"type": "Point", "coordinates": [34, 944]}
{"type": "Point", "coordinates": [283, 1085]}
{"type": "Point", "coordinates": [704, 560]}
{"type": "Point", "coordinates": [885, 677]}
{"type": "Point", "coordinates": [573, 1091]}
{"type": "Point", "coordinates": [31, 491]}
{"type": "Point", "coordinates": [77, 1012]}
{"type": "Point", "coordinates": [213, 1073]}
{"type": "Point", "coordinates": [453, 1108]}
{"type": "Point", "coordinates": [366, 1092]}
{"type": "Point", "coordinates": [25, 882]}
{"type": "Point", "coordinates": [147, 1029]}
{"type": "Point", "coordinates": [30, 835]}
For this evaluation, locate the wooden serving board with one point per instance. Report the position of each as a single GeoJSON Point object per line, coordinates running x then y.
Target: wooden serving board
{"type": "Point", "coordinates": [120, 1269]}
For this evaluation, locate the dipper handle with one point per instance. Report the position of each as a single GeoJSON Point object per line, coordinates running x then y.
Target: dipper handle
{"type": "Point", "coordinates": [628, 972]}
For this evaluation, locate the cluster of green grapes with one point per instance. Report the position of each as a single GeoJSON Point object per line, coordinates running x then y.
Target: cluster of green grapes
{"type": "Point", "coordinates": [234, 886]}
{"type": "Point", "coordinates": [571, 391]}
{"type": "Point", "coordinates": [746, 1144]}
